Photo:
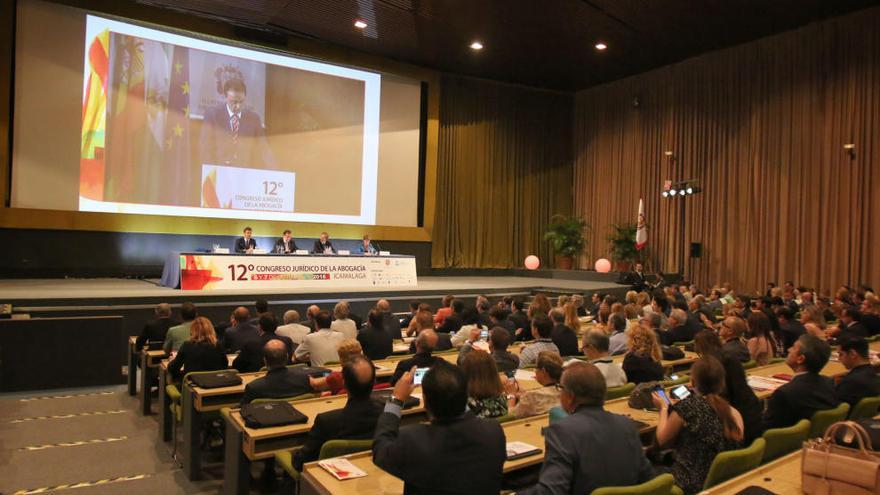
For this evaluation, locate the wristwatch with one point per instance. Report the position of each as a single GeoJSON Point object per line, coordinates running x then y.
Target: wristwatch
{"type": "Point", "coordinates": [397, 402]}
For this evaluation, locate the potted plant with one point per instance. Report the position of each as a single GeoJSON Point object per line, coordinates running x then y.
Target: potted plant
{"type": "Point", "coordinates": [623, 245]}
{"type": "Point", "coordinates": [566, 236]}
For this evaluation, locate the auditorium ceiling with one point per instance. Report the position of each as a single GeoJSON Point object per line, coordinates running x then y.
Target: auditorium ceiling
{"type": "Point", "coordinates": [543, 43]}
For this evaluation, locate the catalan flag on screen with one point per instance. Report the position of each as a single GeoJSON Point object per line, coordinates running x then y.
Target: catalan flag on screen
{"type": "Point", "coordinates": [94, 116]}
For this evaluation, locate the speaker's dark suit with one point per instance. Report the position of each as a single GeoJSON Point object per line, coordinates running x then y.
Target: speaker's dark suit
{"type": "Point", "coordinates": [242, 245]}
{"type": "Point", "coordinates": [217, 146]}
{"type": "Point", "coordinates": [799, 399]}
{"type": "Point", "coordinates": [319, 248]}
{"type": "Point", "coordinates": [285, 247]}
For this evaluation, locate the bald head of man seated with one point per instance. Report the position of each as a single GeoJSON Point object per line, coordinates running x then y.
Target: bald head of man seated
{"type": "Point", "coordinates": [426, 342]}
{"type": "Point", "coordinates": [358, 374]}
{"type": "Point", "coordinates": [275, 354]}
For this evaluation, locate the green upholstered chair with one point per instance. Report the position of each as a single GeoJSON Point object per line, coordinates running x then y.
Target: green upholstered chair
{"type": "Point", "coordinates": [776, 360]}
{"type": "Point", "coordinates": [505, 418]}
{"type": "Point", "coordinates": [866, 408]}
{"type": "Point", "coordinates": [781, 441]}
{"type": "Point", "coordinates": [175, 405]}
{"type": "Point", "coordinates": [331, 448]}
{"type": "Point", "coordinates": [821, 420]}
{"type": "Point", "coordinates": [749, 364]}
{"type": "Point", "coordinates": [734, 463]}
{"type": "Point", "coordinates": [682, 379]}
{"type": "Point", "coordinates": [618, 392]}
{"type": "Point", "coordinates": [661, 485]}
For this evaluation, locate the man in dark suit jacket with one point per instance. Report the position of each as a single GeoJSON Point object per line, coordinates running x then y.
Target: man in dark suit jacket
{"type": "Point", "coordinates": [241, 330]}
{"type": "Point", "coordinates": [637, 278]}
{"type": "Point", "coordinates": [390, 323]}
{"type": "Point", "coordinates": [323, 245]}
{"type": "Point", "coordinates": [246, 243]}
{"type": "Point", "coordinates": [374, 340]}
{"type": "Point", "coordinates": [455, 320]}
{"type": "Point", "coordinates": [732, 330]}
{"type": "Point", "coordinates": [862, 380]}
{"type": "Point", "coordinates": [519, 318]}
{"type": "Point", "coordinates": [155, 330]}
{"type": "Point", "coordinates": [851, 325]}
{"type": "Point", "coordinates": [808, 391]}
{"type": "Point", "coordinates": [425, 344]}
{"type": "Point", "coordinates": [280, 381]}
{"type": "Point", "coordinates": [790, 328]}
{"type": "Point", "coordinates": [232, 134]}
{"type": "Point", "coordinates": [355, 421]}
{"type": "Point", "coordinates": [570, 463]}
{"type": "Point", "coordinates": [456, 453]}
{"type": "Point", "coordinates": [678, 330]}
{"type": "Point", "coordinates": [285, 245]}
{"type": "Point", "coordinates": [250, 358]}
{"type": "Point", "coordinates": [564, 337]}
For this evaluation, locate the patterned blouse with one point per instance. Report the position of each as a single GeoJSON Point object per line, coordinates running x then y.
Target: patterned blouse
{"type": "Point", "coordinates": [537, 401]}
{"type": "Point", "coordinates": [491, 407]}
{"type": "Point", "coordinates": [699, 441]}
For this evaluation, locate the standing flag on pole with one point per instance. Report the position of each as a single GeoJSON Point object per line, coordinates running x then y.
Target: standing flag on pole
{"type": "Point", "coordinates": [641, 227]}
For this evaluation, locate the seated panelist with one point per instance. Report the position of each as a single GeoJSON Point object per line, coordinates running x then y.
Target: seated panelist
{"type": "Point", "coordinates": [286, 244]}
{"type": "Point", "coordinates": [366, 247]}
{"type": "Point", "coordinates": [246, 243]}
{"type": "Point", "coordinates": [323, 245]}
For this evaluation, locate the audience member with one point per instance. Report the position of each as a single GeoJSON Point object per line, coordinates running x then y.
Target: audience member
{"type": "Point", "coordinates": [498, 318]}
{"type": "Point", "coordinates": [808, 391]}
{"type": "Point", "coordinates": [862, 380]}
{"type": "Point", "coordinates": [241, 330]}
{"type": "Point", "coordinates": [871, 315]}
{"type": "Point", "coordinates": [250, 358]}
{"type": "Point", "coordinates": [790, 328]}
{"type": "Point", "coordinates": [679, 330]}
{"type": "Point", "coordinates": [699, 426]}
{"type": "Point", "coordinates": [590, 448]}
{"type": "Point", "coordinates": [425, 322]}
{"type": "Point", "coordinates": [736, 387]}
{"type": "Point", "coordinates": [548, 372]}
{"type": "Point", "coordinates": [519, 318]}
{"type": "Point", "coordinates": [280, 381]}
{"type": "Point", "coordinates": [292, 328]}
{"type": "Point", "coordinates": [486, 398]}
{"type": "Point", "coordinates": [562, 336]}
{"type": "Point", "coordinates": [177, 335]}
{"type": "Point", "coordinates": [643, 359]}
{"type": "Point", "coordinates": [413, 308]}
{"type": "Point", "coordinates": [376, 342]}
{"type": "Point", "coordinates": [444, 311]}
{"type": "Point", "coordinates": [850, 325]}
{"type": "Point", "coordinates": [761, 343]}
{"type": "Point", "coordinates": [389, 322]}
{"type": "Point", "coordinates": [468, 325]}
{"type": "Point", "coordinates": [455, 453]}
{"type": "Point", "coordinates": [156, 329]}
{"type": "Point", "coordinates": [572, 319]}
{"type": "Point", "coordinates": [261, 307]}
{"type": "Point", "coordinates": [542, 328]}
{"type": "Point", "coordinates": [320, 347]}
{"type": "Point", "coordinates": [200, 352]}
{"type": "Point", "coordinates": [342, 323]}
{"type": "Point", "coordinates": [426, 342]}
{"type": "Point", "coordinates": [732, 330]}
{"type": "Point", "coordinates": [357, 420]}
{"type": "Point", "coordinates": [618, 340]}
{"type": "Point", "coordinates": [453, 322]}
{"type": "Point", "coordinates": [499, 339]}
{"type": "Point", "coordinates": [596, 349]}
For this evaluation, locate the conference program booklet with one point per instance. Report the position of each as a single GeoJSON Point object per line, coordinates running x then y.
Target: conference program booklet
{"type": "Point", "coordinates": [342, 469]}
{"type": "Point", "coordinates": [765, 383]}
{"type": "Point", "coordinates": [518, 450]}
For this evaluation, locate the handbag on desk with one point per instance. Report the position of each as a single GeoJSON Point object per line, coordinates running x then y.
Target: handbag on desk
{"type": "Point", "coordinates": [268, 414]}
{"type": "Point", "coordinates": [828, 468]}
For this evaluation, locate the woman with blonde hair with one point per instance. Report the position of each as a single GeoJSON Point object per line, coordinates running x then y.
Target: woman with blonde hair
{"type": "Point", "coordinates": [341, 322]}
{"type": "Point", "coordinates": [200, 352]}
{"type": "Point", "coordinates": [540, 305]}
{"type": "Point", "coordinates": [486, 397]}
{"type": "Point", "coordinates": [572, 320]}
{"type": "Point", "coordinates": [642, 362]}
{"type": "Point", "coordinates": [561, 301]}
{"type": "Point", "coordinates": [814, 321]}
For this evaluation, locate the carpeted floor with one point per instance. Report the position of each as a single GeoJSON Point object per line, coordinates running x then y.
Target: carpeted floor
{"type": "Point", "coordinates": [63, 438]}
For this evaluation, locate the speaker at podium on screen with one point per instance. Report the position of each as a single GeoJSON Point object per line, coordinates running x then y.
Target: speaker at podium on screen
{"type": "Point", "coordinates": [239, 188]}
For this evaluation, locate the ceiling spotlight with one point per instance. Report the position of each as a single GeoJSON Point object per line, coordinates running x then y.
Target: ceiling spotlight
{"type": "Point", "coordinates": [665, 194]}
{"type": "Point", "coordinates": [673, 192]}
{"type": "Point", "coordinates": [476, 45]}
{"type": "Point", "coordinates": [601, 46]}
{"type": "Point", "coordinates": [360, 24]}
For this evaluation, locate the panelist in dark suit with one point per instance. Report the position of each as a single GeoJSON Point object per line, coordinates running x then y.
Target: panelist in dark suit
{"type": "Point", "coordinates": [808, 391]}
{"type": "Point", "coordinates": [861, 381]}
{"type": "Point", "coordinates": [155, 330]}
{"type": "Point", "coordinates": [455, 453]}
{"type": "Point", "coordinates": [637, 278]}
{"type": "Point", "coordinates": [280, 381]}
{"type": "Point", "coordinates": [285, 245]}
{"type": "Point", "coordinates": [232, 134]}
{"type": "Point", "coordinates": [323, 245]}
{"type": "Point", "coordinates": [571, 464]}
{"type": "Point", "coordinates": [355, 421]}
{"type": "Point", "coordinates": [246, 243]}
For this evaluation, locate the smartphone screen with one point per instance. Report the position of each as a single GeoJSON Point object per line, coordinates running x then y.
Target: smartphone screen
{"type": "Point", "coordinates": [673, 377]}
{"type": "Point", "coordinates": [510, 374]}
{"type": "Point", "coordinates": [417, 377]}
{"type": "Point", "coordinates": [680, 392]}
{"type": "Point", "coordinates": [484, 334]}
{"type": "Point", "coordinates": [662, 394]}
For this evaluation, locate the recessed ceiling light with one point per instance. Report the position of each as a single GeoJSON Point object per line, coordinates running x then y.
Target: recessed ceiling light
{"type": "Point", "coordinates": [360, 24]}
{"type": "Point", "coordinates": [476, 45]}
{"type": "Point", "coordinates": [601, 46]}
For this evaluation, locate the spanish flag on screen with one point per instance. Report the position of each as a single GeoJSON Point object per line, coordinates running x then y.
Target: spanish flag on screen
{"type": "Point", "coordinates": [91, 177]}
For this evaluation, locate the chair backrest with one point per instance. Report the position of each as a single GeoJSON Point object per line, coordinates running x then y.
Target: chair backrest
{"type": "Point", "coordinates": [749, 364]}
{"type": "Point", "coordinates": [735, 462]}
{"type": "Point", "coordinates": [336, 448]}
{"type": "Point", "coordinates": [781, 441]}
{"type": "Point", "coordinates": [683, 343]}
{"type": "Point", "coordinates": [618, 392]}
{"type": "Point", "coordinates": [678, 381]}
{"type": "Point", "coordinates": [285, 399]}
{"type": "Point", "coordinates": [661, 485]}
{"type": "Point", "coordinates": [868, 407]}
{"type": "Point", "coordinates": [821, 420]}
{"type": "Point", "coordinates": [505, 418]}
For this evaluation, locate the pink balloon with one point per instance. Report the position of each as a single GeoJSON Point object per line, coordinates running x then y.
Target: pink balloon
{"type": "Point", "coordinates": [532, 262]}
{"type": "Point", "coordinates": [603, 265]}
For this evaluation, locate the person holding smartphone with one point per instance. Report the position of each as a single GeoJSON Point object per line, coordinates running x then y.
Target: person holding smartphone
{"type": "Point", "coordinates": [699, 426]}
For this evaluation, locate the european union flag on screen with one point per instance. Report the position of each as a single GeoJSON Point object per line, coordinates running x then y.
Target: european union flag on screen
{"type": "Point", "coordinates": [178, 178]}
